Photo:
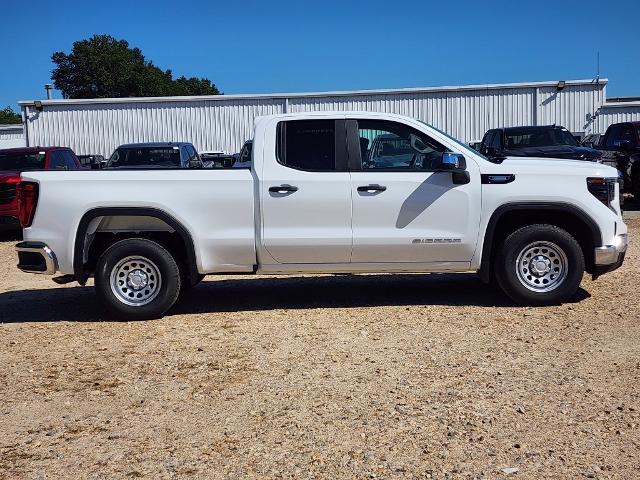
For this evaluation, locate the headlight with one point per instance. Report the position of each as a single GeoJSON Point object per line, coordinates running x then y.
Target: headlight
{"type": "Point", "coordinates": [604, 189]}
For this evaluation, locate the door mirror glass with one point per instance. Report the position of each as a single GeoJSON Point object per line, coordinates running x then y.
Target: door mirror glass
{"type": "Point", "coordinates": [452, 162]}
{"type": "Point", "coordinates": [195, 163]}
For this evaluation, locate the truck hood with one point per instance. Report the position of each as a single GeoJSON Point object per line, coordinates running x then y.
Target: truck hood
{"type": "Point", "coordinates": [556, 166]}
{"type": "Point", "coordinates": [557, 151]}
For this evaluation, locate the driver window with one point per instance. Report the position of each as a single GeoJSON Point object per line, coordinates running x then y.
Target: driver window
{"type": "Point", "coordinates": [393, 146]}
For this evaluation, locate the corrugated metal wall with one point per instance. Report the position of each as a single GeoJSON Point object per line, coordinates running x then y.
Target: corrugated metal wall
{"type": "Point", "coordinates": [465, 115]}
{"type": "Point", "coordinates": [11, 136]}
{"type": "Point", "coordinates": [223, 123]}
{"type": "Point", "coordinates": [11, 132]}
{"type": "Point", "coordinates": [617, 113]}
{"type": "Point", "coordinates": [100, 128]}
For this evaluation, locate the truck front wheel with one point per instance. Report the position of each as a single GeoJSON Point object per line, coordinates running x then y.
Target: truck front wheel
{"type": "Point", "coordinates": [539, 265]}
{"type": "Point", "coordinates": [137, 279]}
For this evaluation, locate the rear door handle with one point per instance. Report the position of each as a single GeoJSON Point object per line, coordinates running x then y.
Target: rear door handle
{"type": "Point", "coordinates": [283, 189]}
{"type": "Point", "coordinates": [372, 188]}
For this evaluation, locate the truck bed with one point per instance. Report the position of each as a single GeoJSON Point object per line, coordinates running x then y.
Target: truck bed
{"type": "Point", "coordinates": [215, 206]}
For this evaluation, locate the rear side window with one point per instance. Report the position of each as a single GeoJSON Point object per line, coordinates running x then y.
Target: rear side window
{"type": "Point", "coordinates": [58, 160]}
{"type": "Point", "coordinates": [613, 137]}
{"type": "Point", "coordinates": [69, 160]}
{"type": "Point", "coordinates": [307, 144]}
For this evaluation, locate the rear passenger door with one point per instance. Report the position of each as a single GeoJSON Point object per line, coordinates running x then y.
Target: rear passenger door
{"type": "Point", "coordinates": [306, 196]}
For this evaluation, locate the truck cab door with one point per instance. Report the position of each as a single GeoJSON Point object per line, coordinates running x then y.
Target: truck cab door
{"type": "Point", "coordinates": [404, 211]}
{"type": "Point", "coordinates": [305, 194]}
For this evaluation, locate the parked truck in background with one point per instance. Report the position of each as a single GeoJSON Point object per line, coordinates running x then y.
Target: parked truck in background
{"type": "Point", "coordinates": [546, 141]}
{"type": "Point", "coordinates": [620, 147]}
{"type": "Point", "coordinates": [164, 155]}
{"type": "Point", "coordinates": [317, 199]}
{"type": "Point", "coordinates": [14, 161]}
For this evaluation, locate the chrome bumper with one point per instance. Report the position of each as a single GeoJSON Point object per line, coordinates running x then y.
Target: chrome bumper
{"type": "Point", "coordinates": [36, 257]}
{"type": "Point", "coordinates": [610, 254]}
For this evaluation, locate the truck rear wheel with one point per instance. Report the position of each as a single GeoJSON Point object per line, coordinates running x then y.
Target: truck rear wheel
{"type": "Point", "coordinates": [137, 279]}
{"type": "Point", "coordinates": [539, 265]}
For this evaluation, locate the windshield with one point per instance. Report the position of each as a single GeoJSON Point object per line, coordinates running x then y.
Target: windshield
{"type": "Point", "coordinates": [153, 157]}
{"type": "Point", "coordinates": [22, 162]}
{"type": "Point", "coordinates": [539, 137]}
{"type": "Point", "coordinates": [464, 148]}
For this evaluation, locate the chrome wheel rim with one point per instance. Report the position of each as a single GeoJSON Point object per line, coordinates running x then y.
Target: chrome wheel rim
{"type": "Point", "coordinates": [135, 281]}
{"type": "Point", "coordinates": [542, 266]}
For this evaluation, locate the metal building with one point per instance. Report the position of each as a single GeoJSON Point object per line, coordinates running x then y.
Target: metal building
{"type": "Point", "coordinates": [11, 136]}
{"type": "Point", "coordinates": [224, 122]}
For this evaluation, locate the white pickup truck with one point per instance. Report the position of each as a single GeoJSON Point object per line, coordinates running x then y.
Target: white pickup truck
{"type": "Point", "coordinates": [327, 192]}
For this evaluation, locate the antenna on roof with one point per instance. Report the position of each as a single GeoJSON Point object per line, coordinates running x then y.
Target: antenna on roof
{"type": "Point", "coordinates": [598, 68]}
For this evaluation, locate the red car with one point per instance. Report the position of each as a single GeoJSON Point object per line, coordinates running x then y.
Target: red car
{"type": "Point", "coordinates": [14, 161]}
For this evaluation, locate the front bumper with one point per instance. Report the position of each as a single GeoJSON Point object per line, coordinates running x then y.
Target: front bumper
{"type": "Point", "coordinates": [610, 257]}
{"type": "Point", "coordinates": [36, 257]}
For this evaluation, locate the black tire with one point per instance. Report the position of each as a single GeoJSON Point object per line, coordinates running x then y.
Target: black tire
{"type": "Point", "coordinates": [539, 265]}
{"type": "Point", "coordinates": [141, 272]}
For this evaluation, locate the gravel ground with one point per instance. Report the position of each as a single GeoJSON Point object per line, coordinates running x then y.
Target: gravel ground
{"type": "Point", "coordinates": [371, 376]}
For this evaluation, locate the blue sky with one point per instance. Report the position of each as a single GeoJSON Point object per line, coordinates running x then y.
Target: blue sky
{"type": "Point", "coordinates": [288, 46]}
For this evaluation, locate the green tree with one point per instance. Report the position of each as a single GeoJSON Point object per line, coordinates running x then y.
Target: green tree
{"type": "Point", "coordinates": [7, 115]}
{"type": "Point", "coordinates": [103, 67]}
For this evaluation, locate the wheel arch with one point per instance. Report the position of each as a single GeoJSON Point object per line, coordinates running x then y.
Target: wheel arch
{"type": "Point", "coordinates": [80, 246]}
{"type": "Point", "coordinates": [510, 216]}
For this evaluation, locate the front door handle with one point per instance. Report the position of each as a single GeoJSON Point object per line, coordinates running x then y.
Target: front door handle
{"type": "Point", "coordinates": [283, 189]}
{"type": "Point", "coordinates": [372, 188]}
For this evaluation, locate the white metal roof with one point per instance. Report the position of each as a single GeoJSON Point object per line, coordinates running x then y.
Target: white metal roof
{"type": "Point", "coordinates": [621, 104]}
{"type": "Point", "coordinates": [12, 126]}
{"type": "Point", "coordinates": [340, 93]}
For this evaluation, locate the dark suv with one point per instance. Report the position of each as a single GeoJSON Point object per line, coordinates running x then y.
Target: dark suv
{"type": "Point", "coordinates": [549, 141]}
{"type": "Point", "coordinates": [620, 147]}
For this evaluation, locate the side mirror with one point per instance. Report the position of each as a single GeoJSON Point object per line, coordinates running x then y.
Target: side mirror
{"type": "Point", "coordinates": [195, 163]}
{"type": "Point", "coordinates": [452, 162]}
